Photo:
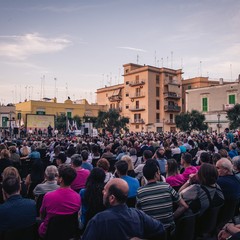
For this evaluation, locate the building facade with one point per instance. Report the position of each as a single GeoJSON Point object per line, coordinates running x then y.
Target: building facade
{"type": "Point", "coordinates": [213, 102]}
{"type": "Point", "coordinates": [197, 82]}
{"type": "Point", "coordinates": [52, 107]}
{"type": "Point", "coordinates": [150, 97]}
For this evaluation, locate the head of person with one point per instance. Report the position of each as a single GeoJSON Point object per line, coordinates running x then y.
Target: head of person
{"type": "Point", "coordinates": [11, 186]}
{"type": "Point", "coordinates": [223, 153]}
{"type": "Point", "coordinates": [76, 160]}
{"type": "Point", "coordinates": [147, 154]}
{"type": "Point", "coordinates": [12, 149]}
{"type": "Point", "coordinates": [115, 192]}
{"type": "Point", "coordinates": [84, 154]}
{"type": "Point", "coordinates": [215, 158]}
{"type": "Point", "coordinates": [186, 159]}
{"type": "Point", "coordinates": [66, 175]}
{"type": "Point", "coordinates": [133, 151]}
{"type": "Point", "coordinates": [96, 176]}
{"type": "Point", "coordinates": [128, 159]}
{"type": "Point", "coordinates": [151, 170]}
{"type": "Point", "coordinates": [232, 146]}
{"type": "Point", "coordinates": [104, 164]}
{"type": "Point", "coordinates": [224, 167]}
{"type": "Point", "coordinates": [207, 174]}
{"type": "Point", "coordinates": [172, 167]}
{"type": "Point", "coordinates": [10, 172]}
{"type": "Point", "coordinates": [5, 154]}
{"type": "Point", "coordinates": [51, 173]}
{"type": "Point", "coordinates": [61, 158]}
{"type": "Point", "coordinates": [205, 157]}
{"type": "Point", "coordinates": [236, 163]}
{"type": "Point", "coordinates": [121, 167]}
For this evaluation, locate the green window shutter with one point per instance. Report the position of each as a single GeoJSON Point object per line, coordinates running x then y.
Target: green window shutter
{"type": "Point", "coordinates": [69, 114]}
{"type": "Point", "coordinates": [231, 99]}
{"type": "Point", "coordinates": [4, 121]}
{"type": "Point", "coordinates": [204, 104]}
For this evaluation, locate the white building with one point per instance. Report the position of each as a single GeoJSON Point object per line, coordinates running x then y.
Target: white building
{"type": "Point", "coordinates": [213, 102]}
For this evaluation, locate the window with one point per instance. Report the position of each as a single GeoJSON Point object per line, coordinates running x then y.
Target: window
{"type": "Point", "coordinates": [138, 92]}
{"type": "Point", "coordinates": [157, 79]}
{"type": "Point", "coordinates": [204, 104]}
{"type": "Point", "coordinates": [189, 87]}
{"type": "Point", "coordinates": [127, 94]}
{"type": "Point", "coordinates": [157, 117]}
{"type": "Point", "coordinates": [19, 115]}
{"type": "Point", "coordinates": [170, 78]}
{"type": "Point", "coordinates": [40, 112]}
{"type": "Point", "coordinates": [137, 78]}
{"type": "Point", "coordinates": [137, 117]}
{"type": "Point", "coordinates": [137, 104]}
{"type": "Point", "coordinates": [137, 126]}
{"type": "Point", "coordinates": [127, 82]}
{"type": "Point", "coordinates": [157, 104]}
{"type": "Point", "coordinates": [69, 114]}
{"type": "Point", "coordinates": [4, 121]}
{"type": "Point", "coordinates": [231, 99]}
{"type": "Point", "coordinates": [157, 92]}
{"type": "Point", "coordinates": [127, 106]}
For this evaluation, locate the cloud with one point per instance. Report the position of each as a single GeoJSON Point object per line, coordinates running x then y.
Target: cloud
{"type": "Point", "coordinates": [133, 49]}
{"type": "Point", "coordinates": [23, 46]}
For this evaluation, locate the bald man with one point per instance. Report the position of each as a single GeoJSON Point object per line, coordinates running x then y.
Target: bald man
{"type": "Point", "coordinates": [119, 222]}
{"type": "Point", "coordinates": [228, 182]}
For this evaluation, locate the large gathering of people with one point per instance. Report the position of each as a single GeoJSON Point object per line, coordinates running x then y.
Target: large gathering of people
{"type": "Point", "coordinates": [124, 186]}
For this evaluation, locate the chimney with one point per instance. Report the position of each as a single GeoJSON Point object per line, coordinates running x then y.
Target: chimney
{"type": "Point", "coordinates": [221, 81]}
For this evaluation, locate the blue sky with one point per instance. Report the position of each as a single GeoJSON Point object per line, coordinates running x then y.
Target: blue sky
{"type": "Point", "coordinates": [83, 44]}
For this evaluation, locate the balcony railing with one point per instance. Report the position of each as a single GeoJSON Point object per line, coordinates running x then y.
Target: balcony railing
{"type": "Point", "coordinates": [138, 121]}
{"type": "Point", "coordinates": [174, 82]}
{"type": "Point", "coordinates": [136, 83]}
{"type": "Point", "coordinates": [171, 95]}
{"type": "Point", "coordinates": [137, 95]}
{"type": "Point", "coordinates": [172, 108]}
{"type": "Point", "coordinates": [137, 108]}
{"type": "Point", "coordinates": [170, 122]}
{"type": "Point", "coordinates": [115, 98]}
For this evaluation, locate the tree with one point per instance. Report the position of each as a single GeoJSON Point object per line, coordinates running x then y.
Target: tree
{"type": "Point", "coordinates": [111, 121]}
{"type": "Point", "coordinates": [61, 122]}
{"type": "Point", "coordinates": [233, 115]}
{"type": "Point", "coordinates": [189, 121]}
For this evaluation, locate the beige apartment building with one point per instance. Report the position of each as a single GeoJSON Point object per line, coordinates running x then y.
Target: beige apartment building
{"type": "Point", "coordinates": [197, 82]}
{"type": "Point", "coordinates": [150, 97]}
{"type": "Point", "coordinates": [213, 102]}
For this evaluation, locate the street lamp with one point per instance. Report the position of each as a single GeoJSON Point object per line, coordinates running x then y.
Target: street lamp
{"type": "Point", "coordinates": [218, 116]}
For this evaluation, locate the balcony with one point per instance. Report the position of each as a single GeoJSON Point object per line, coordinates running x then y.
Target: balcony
{"type": "Point", "coordinates": [115, 98]}
{"type": "Point", "coordinates": [171, 95]}
{"type": "Point", "coordinates": [172, 108]}
{"type": "Point", "coordinates": [137, 95]}
{"type": "Point", "coordinates": [171, 82]}
{"type": "Point", "coordinates": [136, 83]}
{"type": "Point", "coordinates": [170, 122]}
{"type": "Point", "coordinates": [138, 121]}
{"type": "Point", "coordinates": [137, 108]}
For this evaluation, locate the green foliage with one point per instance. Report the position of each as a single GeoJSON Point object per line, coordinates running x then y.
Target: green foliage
{"type": "Point", "coordinates": [111, 121]}
{"type": "Point", "coordinates": [189, 121]}
{"type": "Point", "coordinates": [61, 122]}
{"type": "Point", "coordinates": [233, 115]}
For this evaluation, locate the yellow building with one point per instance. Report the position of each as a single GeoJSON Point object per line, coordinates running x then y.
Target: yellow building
{"type": "Point", "coordinates": [150, 97]}
{"type": "Point", "coordinates": [52, 107]}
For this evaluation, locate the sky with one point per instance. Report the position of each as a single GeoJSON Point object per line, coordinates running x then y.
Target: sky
{"type": "Point", "coordinates": [61, 48]}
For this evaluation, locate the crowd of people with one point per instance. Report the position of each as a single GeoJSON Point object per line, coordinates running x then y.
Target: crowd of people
{"type": "Point", "coordinates": [130, 186]}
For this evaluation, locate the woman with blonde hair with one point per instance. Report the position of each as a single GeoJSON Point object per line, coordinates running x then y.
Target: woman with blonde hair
{"type": "Point", "coordinates": [130, 171]}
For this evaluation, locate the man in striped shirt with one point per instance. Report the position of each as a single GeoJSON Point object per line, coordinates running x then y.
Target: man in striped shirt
{"type": "Point", "coordinates": [156, 198]}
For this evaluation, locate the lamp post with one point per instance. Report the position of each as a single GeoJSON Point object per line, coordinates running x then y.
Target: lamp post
{"type": "Point", "coordinates": [163, 124]}
{"type": "Point", "coordinates": [218, 116]}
